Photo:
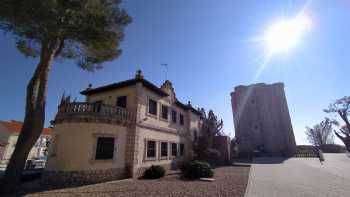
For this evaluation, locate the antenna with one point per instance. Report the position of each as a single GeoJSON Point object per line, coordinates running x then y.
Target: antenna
{"type": "Point", "coordinates": [166, 70]}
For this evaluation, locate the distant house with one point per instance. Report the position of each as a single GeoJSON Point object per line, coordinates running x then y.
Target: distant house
{"type": "Point", "coordinates": [9, 132]}
{"type": "Point", "coordinates": [120, 130]}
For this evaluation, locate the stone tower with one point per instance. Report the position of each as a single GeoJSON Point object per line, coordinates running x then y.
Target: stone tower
{"type": "Point", "coordinates": [261, 119]}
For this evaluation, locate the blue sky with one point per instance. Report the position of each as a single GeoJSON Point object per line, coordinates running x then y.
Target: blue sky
{"type": "Point", "coordinates": [207, 45]}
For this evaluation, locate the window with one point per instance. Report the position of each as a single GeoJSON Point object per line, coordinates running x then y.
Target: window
{"type": "Point", "coordinates": [182, 149]}
{"type": "Point", "coordinates": [164, 112]}
{"type": "Point", "coordinates": [121, 101]}
{"type": "Point", "coordinates": [104, 148]}
{"type": "Point", "coordinates": [182, 119]}
{"type": "Point", "coordinates": [174, 149]}
{"type": "Point", "coordinates": [151, 149]}
{"type": "Point", "coordinates": [152, 107]}
{"type": "Point", "coordinates": [164, 149]}
{"type": "Point", "coordinates": [173, 116]}
{"type": "Point", "coordinates": [195, 135]}
{"type": "Point", "coordinates": [97, 106]}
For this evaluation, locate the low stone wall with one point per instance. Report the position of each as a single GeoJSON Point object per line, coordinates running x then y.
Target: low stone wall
{"type": "Point", "coordinates": [62, 178]}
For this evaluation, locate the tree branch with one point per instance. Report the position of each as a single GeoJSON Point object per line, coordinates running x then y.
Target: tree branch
{"type": "Point", "coordinates": [60, 48]}
{"type": "Point", "coordinates": [339, 136]}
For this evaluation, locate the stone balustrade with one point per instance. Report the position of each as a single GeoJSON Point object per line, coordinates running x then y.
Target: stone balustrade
{"type": "Point", "coordinates": [92, 112]}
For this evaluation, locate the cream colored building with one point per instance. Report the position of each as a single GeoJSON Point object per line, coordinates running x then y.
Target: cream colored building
{"type": "Point", "coordinates": [9, 132]}
{"type": "Point", "coordinates": [119, 131]}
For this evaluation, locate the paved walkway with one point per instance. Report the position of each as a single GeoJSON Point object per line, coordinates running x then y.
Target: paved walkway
{"type": "Point", "coordinates": [304, 177]}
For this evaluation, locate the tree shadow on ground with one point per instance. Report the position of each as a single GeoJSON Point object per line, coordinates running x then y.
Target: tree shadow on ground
{"type": "Point", "coordinates": [36, 186]}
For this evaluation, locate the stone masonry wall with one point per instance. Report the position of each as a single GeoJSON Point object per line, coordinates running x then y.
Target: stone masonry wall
{"type": "Point", "coordinates": [262, 120]}
{"type": "Point", "coordinates": [63, 178]}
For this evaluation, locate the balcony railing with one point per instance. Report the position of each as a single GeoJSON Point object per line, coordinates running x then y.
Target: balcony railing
{"type": "Point", "coordinates": [96, 111]}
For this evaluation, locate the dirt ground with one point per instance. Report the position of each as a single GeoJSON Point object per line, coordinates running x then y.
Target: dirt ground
{"type": "Point", "coordinates": [229, 181]}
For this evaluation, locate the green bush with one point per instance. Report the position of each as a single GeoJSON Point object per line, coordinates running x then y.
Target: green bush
{"type": "Point", "coordinates": [212, 156]}
{"type": "Point", "coordinates": [154, 172]}
{"type": "Point", "coordinates": [196, 169]}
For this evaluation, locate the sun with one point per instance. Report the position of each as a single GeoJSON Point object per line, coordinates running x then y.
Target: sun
{"type": "Point", "coordinates": [286, 34]}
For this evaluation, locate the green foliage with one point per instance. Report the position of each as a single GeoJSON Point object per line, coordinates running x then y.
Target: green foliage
{"type": "Point", "coordinates": [87, 31]}
{"type": "Point", "coordinates": [212, 156]}
{"type": "Point", "coordinates": [154, 172]}
{"type": "Point", "coordinates": [204, 147]}
{"type": "Point", "coordinates": [212, 126]}
{"type": "Point", "coordinates": [197, 169]}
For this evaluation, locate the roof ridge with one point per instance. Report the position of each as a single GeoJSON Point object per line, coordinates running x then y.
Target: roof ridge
{"type": "Point", "coordinates": [14, 126]}
{"type": "Point", "coordinates": [122, 84]}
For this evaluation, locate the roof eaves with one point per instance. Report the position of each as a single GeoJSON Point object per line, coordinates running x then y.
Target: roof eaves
{"type": "Point", "coordinates": [187, 107]}
{"type": "Point", "coordinates": [122, 84]}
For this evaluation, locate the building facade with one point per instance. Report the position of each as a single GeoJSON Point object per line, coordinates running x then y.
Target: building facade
{"type": "Point", "coordinates": [262, 121]}
{"type": "Point", "coordinates": [9, 132]}
{"type": "Point", "coordinates": [119, 131]}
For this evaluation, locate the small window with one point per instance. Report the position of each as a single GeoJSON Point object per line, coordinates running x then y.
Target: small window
{"type": "Point", "coordinates": [174, 149]}
{"type": "Point", "coordinates": [164, 112]}
{"type": "Point", "coordinates": [97, 106]}
{"type": "Point", "coordinates": [173, 116]}
{"type": "Point", "coordinates": [151, 149]}
{"type": "Point", "coordinates": [121, 101]}
{"type": "Point", "coordinates": [164, 149]}
{"type": "Point", "coordinates": [182, 149]}
{"type": "Point", "coordinates": [152, 107]}
{"type": "Point", "coordinates": [182, 122]}
{"type": "Point", "coordinates": [195, 135]}
{"type": "Point", "coordinates": [104, 148]}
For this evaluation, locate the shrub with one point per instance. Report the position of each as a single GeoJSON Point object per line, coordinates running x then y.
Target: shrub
{"type": "Point", "coordinates": [210, 155]}
{"type": "Point", "coordinates": [196, 169]}
{"type": "Point", "coordinates": [30, 175]}
{"type": "Point", "coordinates": [213, 156]}
{"type": "Point", "coordinates": [154, 172]}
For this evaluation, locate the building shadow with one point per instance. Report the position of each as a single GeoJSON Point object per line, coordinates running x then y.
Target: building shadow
{"type": "Point", "coordinates": [247, 161]}
{"type": "Point", "coordinates": [269, 160]}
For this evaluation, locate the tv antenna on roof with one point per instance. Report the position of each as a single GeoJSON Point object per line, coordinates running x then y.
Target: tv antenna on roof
{"type": "Point", "coordinates": [166, 70]}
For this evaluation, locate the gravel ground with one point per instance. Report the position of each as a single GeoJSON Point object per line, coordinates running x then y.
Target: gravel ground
{"type": "Point", "coordinates": [230, 181]}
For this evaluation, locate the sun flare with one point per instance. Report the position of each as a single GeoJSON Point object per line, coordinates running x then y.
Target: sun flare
{"type": "Point", "coordinates": [286, 34]}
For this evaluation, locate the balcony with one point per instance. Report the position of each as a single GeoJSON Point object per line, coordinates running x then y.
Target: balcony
{"type": "Point", "coordinates": [92, 112]}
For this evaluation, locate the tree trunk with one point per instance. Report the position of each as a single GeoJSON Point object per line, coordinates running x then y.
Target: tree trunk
{"type": "Point", "coordinates": [34, 118]}
{"type": "Point", "coordinates": [345, 140]}
{"type": "Point", "coordinates": [344, 116]}
{"type": "Point", "coordinates": [347, 143]}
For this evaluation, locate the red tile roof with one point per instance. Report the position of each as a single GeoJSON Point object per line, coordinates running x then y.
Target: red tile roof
{"type": "Point", "coordinates": [16, 126]}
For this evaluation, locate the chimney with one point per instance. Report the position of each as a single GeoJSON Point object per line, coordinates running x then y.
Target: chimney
{"type": "Point", "coordinates": [139, 74]}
